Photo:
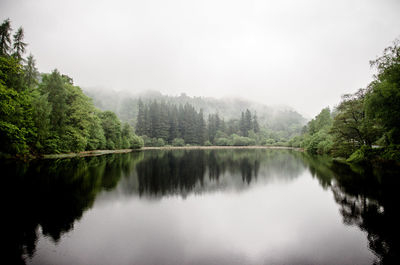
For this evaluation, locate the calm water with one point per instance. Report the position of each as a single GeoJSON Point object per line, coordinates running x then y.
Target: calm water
{"type": "Point", "coordinates": [199, 207]}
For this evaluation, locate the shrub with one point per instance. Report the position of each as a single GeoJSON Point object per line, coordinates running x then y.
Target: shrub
{"type": "Point", "coordinates": [178, 142]}
{"type": "Point", "coordinates": [222, 141]}
{"type": "Point", "coordinates": [208, 143]}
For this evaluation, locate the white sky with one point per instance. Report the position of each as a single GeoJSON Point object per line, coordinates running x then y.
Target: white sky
{"type": "Point", "coordinates": [303, 54]}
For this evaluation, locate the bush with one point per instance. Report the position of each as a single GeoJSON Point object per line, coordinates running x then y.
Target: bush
{"type": "Point", "coordinates": [270, 141]}
{"type": "Point", "coordinates": [222, 141]}
{"type": "Point", "coordinates": [242, 141]}
{"type": "Point", "coordinates": [110, 144]}
{"type": "Point", "coordinates": [160, 142]}
{"type": "Point", "coordinates": [178, 142]}
{"type": "Point", "coordinates": [136, 142]}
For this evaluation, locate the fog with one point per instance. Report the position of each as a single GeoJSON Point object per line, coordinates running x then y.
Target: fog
{"type": "Point", "coordinates": [304, 54]}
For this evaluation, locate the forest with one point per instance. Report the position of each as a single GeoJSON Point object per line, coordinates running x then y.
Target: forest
{"type": "Point", "coordinates": [277, 123]}
{"type": "Point", "coordinates": [163, 123]}
{"type": "Point", "coordinates": [47, 113]}
{"type": "Point", "coordinates": [365, 126]}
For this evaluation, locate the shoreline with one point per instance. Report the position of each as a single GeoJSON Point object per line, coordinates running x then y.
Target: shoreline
{"type": "Point", "coordinates": [201, 147]}
{"type": "Point", "coordinates": [121, 151]}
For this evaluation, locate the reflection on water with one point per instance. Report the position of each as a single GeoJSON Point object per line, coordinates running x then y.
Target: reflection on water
{"type": "Point", "coordinates": [266, 197]}
{"type": "Point", "coordinates": [368, 199]}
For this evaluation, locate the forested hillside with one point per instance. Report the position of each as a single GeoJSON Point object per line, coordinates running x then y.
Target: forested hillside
{"type": "Point", "coordinates": [366, 124]}
{"type": "Point", "coordinates": [280, 123]}
{"type": "Point", "coordinates": [47, 113]}
{"type": "Point", "coordinates": [166, 123]}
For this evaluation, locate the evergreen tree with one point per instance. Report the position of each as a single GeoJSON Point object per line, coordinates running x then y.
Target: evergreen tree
{"type": "Point", "coordinates": [248, 122]}
{"type": "Point", "coordinates": [173, 123]}
{"type": "Point", "coordinates": [140, 124]}
{"type": "Point", "coordinates": [19, 44]}
{"type": "Point", "coordinates": [53, 85]}
{"type": "Point", "coordinates": [201, 128]}
{"type": "Point", "coordinates": [5, 37]}
{"type": "Point", "coordinates": [31, 72]}
{"type": "Point", "coordinates": [164, 122]}
{"type": "Point", "coordinates": [41, 118]}
{"type": "Point", "coordinates": [213, 126]}
{"type": "Point", "coordinates": [256, 126]}
{"type": "Point", "coordinates": [189, 117]}
{"type": "Point", "coordinates": [242, 125]}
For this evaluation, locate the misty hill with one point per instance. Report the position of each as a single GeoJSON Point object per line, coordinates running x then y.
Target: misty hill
{"type": "Point", "coordinates": [284, 120]}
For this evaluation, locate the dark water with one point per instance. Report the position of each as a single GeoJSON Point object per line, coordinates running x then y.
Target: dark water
{"type": "Point", "coordinates": [199, 207]}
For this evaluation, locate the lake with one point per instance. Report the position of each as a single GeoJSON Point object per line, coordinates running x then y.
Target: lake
{"type": "Point", "coordinates": [199, 207]}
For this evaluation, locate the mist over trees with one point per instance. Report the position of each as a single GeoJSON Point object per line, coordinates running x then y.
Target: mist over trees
{"type": "Point", "coordinates": [165, 123]}
{"type": "Point", "coordinates": [277, 124]}
{"type": "Point", "coordinates": [46, 113]}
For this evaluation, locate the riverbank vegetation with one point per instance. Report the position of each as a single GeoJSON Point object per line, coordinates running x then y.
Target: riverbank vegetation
{"type": "Point", "coordinates": [47, 113]}
{"type": "Point", "coordinates": [365, 125]}
{"type": "Point", "coordinates": [277, 124]}
{"type": "Point", "coordinates": [161, 123]}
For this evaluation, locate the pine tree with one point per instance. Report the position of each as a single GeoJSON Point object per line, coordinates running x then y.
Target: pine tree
{"type": "Point", "coordinates": [242, 125]}
{"type": "Point", "coordinates": [248, 123]}
{"type": "Point", "coordinates": [256, 126]}
{"type": "Point", "coordinates": [53, 85]}
{"type": "Point", "coordinates": [140, 124]}
{"type": "Point", "coordinates": [19, 45]}
{"type": "Point", "coordinates": [173, 123]}
{"type": "Point", "coordinates": [5, 39]}
{"type": "Point", "coordinates": [31, 72]}
{"type": "Point", "coordinates": [201, 128]}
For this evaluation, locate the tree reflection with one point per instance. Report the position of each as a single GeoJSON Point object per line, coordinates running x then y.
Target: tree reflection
{"type": "Point", "coordinates": [51, 195]}
{"type": "Point", "coordinates": [368, 198]}
{"type": "Point", "coordinates": [182, 171]}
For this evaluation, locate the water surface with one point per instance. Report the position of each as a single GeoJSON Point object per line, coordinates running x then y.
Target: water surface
{"type": "Point", "coordinates": [200, 207]}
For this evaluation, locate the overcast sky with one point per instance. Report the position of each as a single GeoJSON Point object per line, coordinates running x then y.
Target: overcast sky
{"type": "Point", "coordinates": [304, 54]}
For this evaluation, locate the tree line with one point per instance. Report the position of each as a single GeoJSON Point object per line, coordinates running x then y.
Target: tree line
{"type": "Point", "coordinates": [47, 113]}
{"type": "Point", "coordinates": [366, 124]}
{"type": "Point", "coordinates": [161, 123]}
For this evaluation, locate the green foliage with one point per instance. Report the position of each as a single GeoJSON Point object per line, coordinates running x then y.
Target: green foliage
{"type": "Point", "coordinates": [5, 37]}
{"type": "Point", "coordinates": [383, 97]}
{"type": "Point", "coordinates": [11, 73]}
{"type": "Point", "coordinates": [112, 129]}
{"type": "Point", "coordinates": [19, 44]}
{"type": "Point", "coordinates": [363, 120]}
{"type": "Point", "coordinates": [153, 142]}
{"type": "Point", "coordinates": [129, 139]}
{"type": "Point", "coordinates": [322, 120]}
{"type": "Point", "coordinates": [136, 142]}
{"type": "Point", "coordinates": [31, 75]}
{"type": "Point", "coordinates": [282, 122]}
{"type": "Point", "coordinates": [357, 157]}
{"type": "Point", "coordinates": [51, 116]}
{"type": "Point", "coordinates": [316, 138]}
{"type": "Point", "coordinates": [319, 143]}
{"type": "Point", "coordinates": [41, 118]}
{"type": "Point", "coordinates": [166, 121]}
{"type": "Point", "coordinates": [96, 139]}
{"type": "Point", "coordinates": [241, 140]}
{"type": "Point", "coordinates": [222, 141]}
{"type": "Point", "coordinates": [178, 142]}
{"type": "Point", "coordinates": [16, 125]}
